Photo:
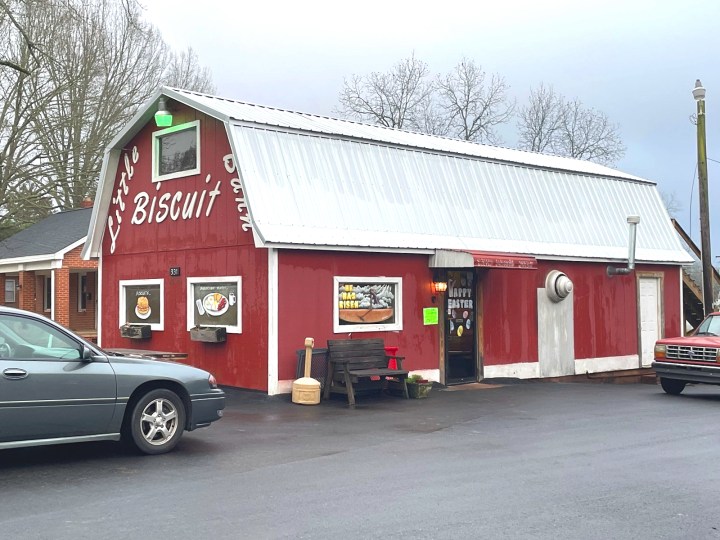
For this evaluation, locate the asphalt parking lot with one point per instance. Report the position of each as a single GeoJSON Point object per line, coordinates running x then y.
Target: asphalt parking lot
{"type": "Point", "coordinates": [526, 460]}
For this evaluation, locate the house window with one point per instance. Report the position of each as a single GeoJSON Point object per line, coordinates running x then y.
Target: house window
{"type": "Point", "coordinates": [176, 152]}
{"type": "Point", "coordinates": [10, 290]}
{"type": "Point", "coordinates": [82, 292]}
{"type": "Point", "coordinates": [47, 297]}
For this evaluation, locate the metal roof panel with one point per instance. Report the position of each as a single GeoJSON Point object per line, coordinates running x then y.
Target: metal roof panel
{"type": "Point", "coordinates": [315, 190]}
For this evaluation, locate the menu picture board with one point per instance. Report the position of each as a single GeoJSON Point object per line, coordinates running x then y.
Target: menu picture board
{"type": "Point", "coordinates": [215, 301]}
{"type": "Point", "coordinates": [366, 304]}
{"type": "Point", "coordinates": [142, 302]}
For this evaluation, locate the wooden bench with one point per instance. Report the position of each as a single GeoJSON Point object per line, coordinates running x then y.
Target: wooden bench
{"type": "Point", "coordinates": [357, 362]}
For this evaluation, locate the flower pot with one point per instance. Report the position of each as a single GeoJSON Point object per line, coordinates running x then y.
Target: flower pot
{"type": "Point", "coordinates": [211, 334]}
{"type": "Point", "coordinates": [136, 331]}
{"type": "Point", "coordinates": [419, 390]}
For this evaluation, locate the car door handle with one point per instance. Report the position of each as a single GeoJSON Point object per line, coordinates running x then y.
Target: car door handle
{"type": "Point", "coordinates": [15, 373]}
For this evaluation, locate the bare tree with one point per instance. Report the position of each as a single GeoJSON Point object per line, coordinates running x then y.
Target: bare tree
{"type": "Point", "coordinates": [25, 194]}
{"type": "Point", "coordinates": [430, 118]}
{"type": "Point", "coordinates": [88, 65]}
{"type": "Point", "coordinates": [540, 120]}
{"type": "Point", "coordinates": [108, 63]}
{"type": "Point", "coordinates": [474, 103]}
{"type": "Point", "coordinates": [184, 71]}
{"type": "Point", "coordinates": [671, 201]}
{"type": "Point", "coordinates": [391, 99]}
{"type": "Point", "coordinates": [9, 22]}
{"type": "Point", "coordinates": [568, 128]}
{"type": "Point", "coordinates": [589, 134]}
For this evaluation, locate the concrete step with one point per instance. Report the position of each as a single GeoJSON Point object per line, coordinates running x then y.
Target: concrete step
{"type": "Point", "coordinates": [627, 376]}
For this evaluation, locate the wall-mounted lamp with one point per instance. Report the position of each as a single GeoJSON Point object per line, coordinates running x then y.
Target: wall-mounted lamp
{"type": "Point", "coordinates": [438, 285]}
{"type": "Point", "coordinates": [163, 117]}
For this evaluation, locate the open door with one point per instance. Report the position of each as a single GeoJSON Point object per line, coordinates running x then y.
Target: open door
{"type": "Point", "coordinates": [460, 328]}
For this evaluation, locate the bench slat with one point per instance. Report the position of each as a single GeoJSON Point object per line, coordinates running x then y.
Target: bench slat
{"type": "Point", "coordinates": [380, 372]}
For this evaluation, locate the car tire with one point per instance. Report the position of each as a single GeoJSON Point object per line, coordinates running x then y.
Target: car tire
{"type": "Point", "coordinates": [672, 386]}
{"type": "Point", "coordinates": [157, 421]}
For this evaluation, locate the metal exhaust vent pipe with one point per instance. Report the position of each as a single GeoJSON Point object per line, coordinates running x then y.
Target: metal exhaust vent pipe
{"type": "Point", "coordinates": [557, 285]}
{"type": "Point", "coordinates": [614, 271]}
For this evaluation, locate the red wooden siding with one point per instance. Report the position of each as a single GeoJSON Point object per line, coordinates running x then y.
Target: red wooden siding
{"type": "Point", "coordinates": [509, 314]}
{"type": "Point", "coordinates": [214, 245]}
{"type": "Point", "coordinates": [306, 299]}
{"type": "Point", "coordinates": [605, 310]}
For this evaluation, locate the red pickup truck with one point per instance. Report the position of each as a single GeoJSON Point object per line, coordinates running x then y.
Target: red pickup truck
{"type": "Point", "coordinates": [690, 359]}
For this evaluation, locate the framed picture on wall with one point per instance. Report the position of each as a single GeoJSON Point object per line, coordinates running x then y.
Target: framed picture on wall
{"type": "Point", "coordinates": [215, 301]}
{"type": "Point", "coordinates": [142, 302]}
{"type": "Point", "coordinates": [367, 304]}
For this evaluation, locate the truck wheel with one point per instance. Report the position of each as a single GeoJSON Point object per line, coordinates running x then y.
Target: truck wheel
{"type": "Point", "coordinates": [672, 386]}
{"type": "Point", "coordinates": [157, 421]}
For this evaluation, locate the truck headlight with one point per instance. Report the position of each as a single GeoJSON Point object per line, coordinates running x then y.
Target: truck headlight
{"type": "Point", "coordinates": [660, 350]}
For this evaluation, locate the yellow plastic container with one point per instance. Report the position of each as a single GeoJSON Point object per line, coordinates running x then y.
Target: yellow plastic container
{"type": "Point", "coordinates": [306, 390]}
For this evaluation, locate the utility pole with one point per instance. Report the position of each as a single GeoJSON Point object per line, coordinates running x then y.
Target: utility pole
{"type": "Point", "coordinates": [707, 268]}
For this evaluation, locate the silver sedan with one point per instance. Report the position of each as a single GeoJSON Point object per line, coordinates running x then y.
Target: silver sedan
{"type": "Point", "coordinates": [58, 388]}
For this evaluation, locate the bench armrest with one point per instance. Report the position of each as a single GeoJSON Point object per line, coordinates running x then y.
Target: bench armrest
{"type": "Point", "coordinates": [396, 357]}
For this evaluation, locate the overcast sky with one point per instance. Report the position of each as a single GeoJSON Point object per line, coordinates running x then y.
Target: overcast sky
{"type": "Point", "coordinates": [635, 60]}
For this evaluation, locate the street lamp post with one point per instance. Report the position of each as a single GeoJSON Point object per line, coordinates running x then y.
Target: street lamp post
{"type": "Point", "coordinates": [707, 269]}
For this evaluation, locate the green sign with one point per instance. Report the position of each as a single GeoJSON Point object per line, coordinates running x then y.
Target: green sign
{"type": "Point", "coordinates": [430, 315]}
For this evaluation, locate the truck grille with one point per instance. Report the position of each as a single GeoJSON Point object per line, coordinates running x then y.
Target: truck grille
{"type": "Point", "coordinates": [685, 352]}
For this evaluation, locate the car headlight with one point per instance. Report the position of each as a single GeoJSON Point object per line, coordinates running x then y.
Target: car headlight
{"type": "Point", "coordinates": [212, 381]}
{"type": "Point", "coordinates": [660, 350]}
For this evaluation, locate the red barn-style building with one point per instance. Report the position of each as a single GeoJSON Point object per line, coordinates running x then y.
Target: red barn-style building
{"type": "Point", "coordinates": [239, 230]}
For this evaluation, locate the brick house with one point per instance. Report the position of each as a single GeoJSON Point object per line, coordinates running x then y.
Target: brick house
{"type": "Point", "coordinates": [41, 270]}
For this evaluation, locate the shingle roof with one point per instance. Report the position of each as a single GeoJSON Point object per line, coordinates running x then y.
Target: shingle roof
{"type": "Point", "coordinates": [49, 236]}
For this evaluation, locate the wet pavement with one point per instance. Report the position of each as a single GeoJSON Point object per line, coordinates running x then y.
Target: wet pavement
{"type": "Point", "coordinates": [515, 460]}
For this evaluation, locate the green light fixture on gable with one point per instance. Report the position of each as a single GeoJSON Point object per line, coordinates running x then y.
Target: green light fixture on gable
{"type": "Point", "coordinates": [163, 117]}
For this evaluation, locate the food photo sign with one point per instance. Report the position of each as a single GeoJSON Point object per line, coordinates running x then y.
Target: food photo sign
{"type": "Point", "coordinates": [367, 304]}
{"type": "Point", "coordinates": [215, 301]}
{"type": "Point", "coordinates": [141, 302]}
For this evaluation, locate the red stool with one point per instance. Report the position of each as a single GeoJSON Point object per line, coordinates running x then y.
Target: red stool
{"type": "Point", "coordinates": [392, 352]}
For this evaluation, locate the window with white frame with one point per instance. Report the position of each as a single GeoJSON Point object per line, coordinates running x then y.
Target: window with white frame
{"type": "Point", "coordinates": [10, 285]}
{"type": "Point", "coordinates": [367, 304]}
{"type": "Point", "coordinates": [215, 301]}
{"type": "Point", "coordinates": [47, 293]}
{"type": "Point", "coordinates": [176, 152]}
{"type": "Point", "coordinates": [82, 292]}
{"type": "Point", "coordinates": [142, 301]}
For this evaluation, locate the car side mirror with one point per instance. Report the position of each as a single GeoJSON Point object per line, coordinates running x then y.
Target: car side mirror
{"type": "Point", "coordinates": [87, 354]}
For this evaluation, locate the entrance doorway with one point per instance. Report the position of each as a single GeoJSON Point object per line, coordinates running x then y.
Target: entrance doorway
{"type": "Point", "coordinates": [650, 298]}
{"type": "Point", "coordinates": [460, 328]}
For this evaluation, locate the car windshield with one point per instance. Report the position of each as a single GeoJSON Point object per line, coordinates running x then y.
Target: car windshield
{"type": "Point", "coordinates": [709, 327]}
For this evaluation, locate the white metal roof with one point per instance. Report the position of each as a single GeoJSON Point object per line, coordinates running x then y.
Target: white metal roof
{"type": "Point", "coordinates": [229, 110]}
{"type": "Point", "coordinates": [312, 181]}
{"type": "Point", "coordinates": [308, 189]}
